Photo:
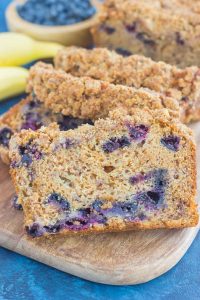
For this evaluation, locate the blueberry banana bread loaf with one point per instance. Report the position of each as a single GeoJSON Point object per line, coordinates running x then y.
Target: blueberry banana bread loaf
{"type": "Point", "coordinates": [125, 172]}
{"type": "Point", "coordinates": [30, 113]}
{"type": "Point", "coordinates": [136, 71]}
{"type": "Point", "coordinates": [88, 98]}
{"type": "Point", "coordinates": [161, 29]}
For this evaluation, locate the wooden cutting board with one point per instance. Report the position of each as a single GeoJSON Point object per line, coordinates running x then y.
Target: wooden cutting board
{"type": "Point", "coordinates": [112, 258]}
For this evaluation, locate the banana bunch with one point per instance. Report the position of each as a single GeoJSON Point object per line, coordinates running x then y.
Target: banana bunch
{"type": "Point", "coordinates": [18, 49]}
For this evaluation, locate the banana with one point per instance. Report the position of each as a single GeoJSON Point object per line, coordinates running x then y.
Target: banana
{"type": "Point", "coordinates": [12, 81]}
{"type": "Point", "coordinates": [18, 49]}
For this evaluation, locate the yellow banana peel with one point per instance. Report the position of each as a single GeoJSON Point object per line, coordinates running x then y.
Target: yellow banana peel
{"type": "Point", "coordinates": [18, 49]}
{"type": "Point", "coordinates": [12, 81]}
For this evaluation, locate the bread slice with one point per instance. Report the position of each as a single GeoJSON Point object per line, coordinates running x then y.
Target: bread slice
{"type": "Point", "coordinates": [136, 71]}
{"type": "Point", "coordinates": [88, 98]}
{"type": "Point", "coordinates": [125, 172]}
{"type": "Point", "coordinates": [30, 113]}
{"type": "Point", "coordinates": [160, 29]}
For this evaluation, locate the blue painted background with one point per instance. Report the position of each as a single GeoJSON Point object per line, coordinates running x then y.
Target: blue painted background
{"type": "Point", "coordinates": [24, 279]}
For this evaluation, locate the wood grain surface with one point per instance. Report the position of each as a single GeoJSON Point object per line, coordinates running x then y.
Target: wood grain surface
{"type": "Point", "coordinates": [111, 258]}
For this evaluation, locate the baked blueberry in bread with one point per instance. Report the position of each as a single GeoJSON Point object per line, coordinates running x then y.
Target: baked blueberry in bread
{"type": "Point", "coordinates": [163, 30]}
{"type": "Point", "coordinates": [15, 203]}
{"type": "Point", "coordinates": [30, 113]}
{"type": "Point", "coordinates": [125, 172]}
{"type": "Point", "coordinates": [71, 101]}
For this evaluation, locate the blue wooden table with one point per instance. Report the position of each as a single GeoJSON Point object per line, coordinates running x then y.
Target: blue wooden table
{"type": "Point", "coordinates": [24, 279]}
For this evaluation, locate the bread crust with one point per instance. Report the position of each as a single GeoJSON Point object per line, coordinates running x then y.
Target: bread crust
{"type": "Point", "coordinates": [88, 98]}
{"type": "Point", "coordinates": [136, 71]}
{"type": "Point", "coordinates": [10, 120]}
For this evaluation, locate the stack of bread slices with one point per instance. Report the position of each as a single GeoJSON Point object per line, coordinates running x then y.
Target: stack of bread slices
{"type": "Point", "coordinates": [100, 144]}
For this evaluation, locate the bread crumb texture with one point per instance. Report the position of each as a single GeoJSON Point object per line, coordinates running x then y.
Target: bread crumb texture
{"type": "Point", "coordinates": [85, 97]}
{"type": "Point", "coordinates": [139, 72]}
{"type": "Point", "coordinates": [125, 172]}
{"type": "Point", "coordinates": [160, 29]}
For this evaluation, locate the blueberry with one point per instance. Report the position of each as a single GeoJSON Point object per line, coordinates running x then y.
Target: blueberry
{"type": "Point", "coordinates": [137, 178]}
{"type": "Point", "coordinates": [123, 141]}
{"type": "Point", "coordinates": [22, 150]}
{"type": "Point", "coordinates": [60, 7]}
{"type": "Point", "coordinates": [81, 221]}
{"type": "Point", "coordinates": [63, 18]}
{"type": "Point", "coordinates": [59, 12]}
{"type": "Point", "coordinates": [26, 160]}
{"type": "Point", "coordinates": [179, 39]}
{"type": "Point", "coordinates": [99, 218]}
{"type": "Point", "coordinates": [90, 12]}
{"type": "Point", "coordinates": [33, 104]}
{"type": "Point", "coordinates": [115, 143]}
{"type": "Point", "coordinates": [108, 29]}
{"type": "Point", "coordinates": [53, 12]}
{"type": "Point", "coordinates": [69, 222]}
{"type": "Point", "coordinates": [35, 230]}
{"type": "Point", "coordinates": [28, 152]}
{"type": "Point", "coordinates": [77, 223]}
{"type": "Point", "coordinates": [153, 198]}
{"type": "Point", "coordinates": [53, 228]}
{"type": "Point", "coordinates": [131, 27]}
{"type": "Point", "coordinates": [185, 99]}
{"type": "Point", "coordinates": [150, 199]}
{"type": "Point", "coordinates": [31, 124]}
{"type": "Point", "coordinates": [15, 203]}
{"type": "Point", "coordinates": [68, 143]}
{"type": "Point", "coordinates": [160, 180]}
{"type": "Point", "coordinates": [32, 119]}
{"type": "Point", "coordinates": [123, 209]}
{"type": "Point", "coordinates": [123, 52]}
{"type": "Point", "coordinates": [35, 152]}
{"type": "Point", "coordinates": [5, 135]}
{"type": "Point", "coordinates": [14, 164]}
{"type": "Point", "coordinates": [57, 199]}
{"type": "Point", "coordinates": [142, 199]}
{"type": "Point", "coordinates": [49, 2]}
{"type": "Point", "coordinates": [96, 205]}
{"type": "Point", "coordinates": [143, 37]}
{"type": "Point", "coordinates": [71, 21]}
{"type": "Point", "coordinates": [48, 23]}
{"type": "Point", "coordinates": [141, 216]}
{"type": "Point", "coordinates": [71, 123]}
{"type": "Point", "coordinates": [138, 132]}
{"type": "Point", "coordinates": [171, 142]}
{"type": "Point", "coordinates": [160, 183]}
{"type": "Point", "coordinates": [128, 207]}
{"type": "Point", "coordinates": [154, 195]}
{"type": "Point", "coordinates": [110, 145]}
{"type": "Point", "coordinates": [134, 180]}
{"type": "Point", "coordinates": [85, 212]}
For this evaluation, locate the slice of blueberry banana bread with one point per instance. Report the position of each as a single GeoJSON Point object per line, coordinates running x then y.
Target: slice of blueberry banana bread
{"type": "Point", "coordinates": [160, 29]}
{"type": "Point", "coordinates": [136, 71]}
{"type": "Point", "coordinates": [125, 172]}
{"type": "Point", "coordinates": [88, 98]}
{"type": "Point", "coordinates": [30, 113]}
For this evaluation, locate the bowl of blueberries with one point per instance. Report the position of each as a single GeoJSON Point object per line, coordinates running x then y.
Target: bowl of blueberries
{"type": "Point", "coordinates": [63, 21]}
